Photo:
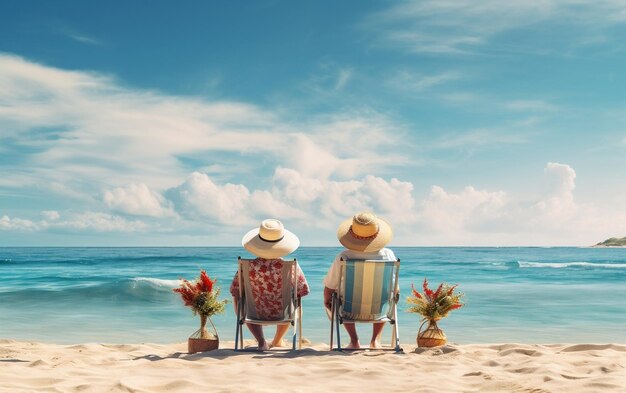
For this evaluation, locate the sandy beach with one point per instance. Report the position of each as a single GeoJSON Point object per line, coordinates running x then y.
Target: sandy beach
{"type": "Point", "coordinates": [31, 366]}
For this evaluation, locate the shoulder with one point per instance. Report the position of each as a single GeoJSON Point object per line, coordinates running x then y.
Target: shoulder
{"type": "Point", "coordinates": [343, 254]}
{"type": "Point", "coordinates": [388, 253]}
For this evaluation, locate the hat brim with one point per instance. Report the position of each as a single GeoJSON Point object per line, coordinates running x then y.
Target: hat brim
{"type": "Point", "coordinates": [264, 249]}
{"type": "Point", "coordinates": [385, 233]}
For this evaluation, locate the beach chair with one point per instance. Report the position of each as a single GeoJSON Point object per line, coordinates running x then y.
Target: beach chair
{"type": "Point", "coordinates": [291, 304]}
{"type": "Point", "coordinates": [368, 292]}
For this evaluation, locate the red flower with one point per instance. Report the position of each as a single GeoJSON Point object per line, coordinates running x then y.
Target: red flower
{"type": "Point", "coordinates": [456, 306]}
{"type": "Point", "coordinates": [189, 291]}
{"type": "Point", "coordinates": [415, 293]}
{"type": "Point", "coordinates": [438, 291]}
{"type": "Point", "coordinates": [207, 284]}
{"type": "Point", "coordinates": [429, 293]}
{"type": "Point", "coordinates": [452, 289]}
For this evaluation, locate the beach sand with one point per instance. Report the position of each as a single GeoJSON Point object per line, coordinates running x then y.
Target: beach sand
{"type": "Point", "coordinates": [34, 367]}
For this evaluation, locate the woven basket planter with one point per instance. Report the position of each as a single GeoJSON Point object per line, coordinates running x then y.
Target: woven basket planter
{"type": "Point", "coordinates": [203, 340]}
{"type": "Point", "coordinates": [432, 336]}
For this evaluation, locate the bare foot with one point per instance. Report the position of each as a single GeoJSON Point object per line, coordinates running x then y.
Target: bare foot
{"type": "Point", "coordinates": [278, 344]}
{"type": "Point", "coordinates": [263, 346]}
{"type": "Point", "coordinates": [352, 345]}
{"type": "Point", "coordinates": [376, 344]}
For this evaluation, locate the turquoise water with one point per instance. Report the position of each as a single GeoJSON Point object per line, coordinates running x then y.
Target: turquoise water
{"type": "Point", "coordinates": [123, 295]}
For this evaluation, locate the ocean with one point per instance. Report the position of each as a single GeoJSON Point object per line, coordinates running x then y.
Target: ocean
{"type": "Point", "coordinates": [124, 295]}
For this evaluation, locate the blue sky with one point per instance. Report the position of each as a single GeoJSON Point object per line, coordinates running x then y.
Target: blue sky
{"type": "Point", "coordinates": [461, 123]}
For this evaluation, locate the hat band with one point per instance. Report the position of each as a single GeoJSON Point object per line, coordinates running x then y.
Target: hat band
{"type": "Point", "coordinates": [362, 237]}
{"type": "Point", "coordinates": [271, 241]}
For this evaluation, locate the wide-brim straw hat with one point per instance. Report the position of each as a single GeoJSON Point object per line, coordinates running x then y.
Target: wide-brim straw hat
{"type": "Point", "coordinates": [270, 240]}
{"type": "Point", "coordinates": [364, 232]}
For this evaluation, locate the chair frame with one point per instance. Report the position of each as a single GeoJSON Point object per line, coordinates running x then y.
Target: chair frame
{"type": "Point", "coordinates": [295, 308]}
{"type": "Point", "coordinates": [337, 301]}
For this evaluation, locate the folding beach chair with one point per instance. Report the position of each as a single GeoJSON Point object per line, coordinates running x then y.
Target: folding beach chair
{"type": "Point", "coordinates": [291, 305]}
{"type": "Point", "coordinates": [368, 292]}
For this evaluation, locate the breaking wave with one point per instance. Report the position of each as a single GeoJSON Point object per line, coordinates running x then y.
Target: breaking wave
{"type": "Point", "coordinates": [562, 265]}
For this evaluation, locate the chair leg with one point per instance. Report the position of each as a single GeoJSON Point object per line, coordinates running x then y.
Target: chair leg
{"type": "Point", "coordinates": [294, 330]}
{"type": "Point", "coordinates": [300, 325]}
{"type": "Point", "coordinates": [241, 335]}
{"type": "Point", "coordinates": [237, 327]}
{"type": "Point", "coordinates": [396, 330]}
{"type": "Point", "coordinates": [337, 323]}
{"type": "Point", "coordinates": [332, 321]}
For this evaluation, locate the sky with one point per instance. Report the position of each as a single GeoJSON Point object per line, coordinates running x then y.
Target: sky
{"type": "Point", "coordinates": [462, 123]}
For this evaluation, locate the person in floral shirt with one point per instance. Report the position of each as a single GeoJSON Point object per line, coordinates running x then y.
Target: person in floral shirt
{"type": "Point", "coordinates": [269, 243]}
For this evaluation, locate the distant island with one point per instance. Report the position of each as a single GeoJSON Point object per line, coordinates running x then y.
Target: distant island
{"type": "Point", "coordinates": [612, 242]}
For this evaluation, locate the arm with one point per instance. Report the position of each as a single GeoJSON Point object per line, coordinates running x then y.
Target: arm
{"type": "Point", "coordinates": [234, 290]}
{"type": "Point", "coordinates": [331, 280]}
{"type": "Point", "coordinates": [303, 285]}
{"type": "Point", "coordinates": [328, 294]}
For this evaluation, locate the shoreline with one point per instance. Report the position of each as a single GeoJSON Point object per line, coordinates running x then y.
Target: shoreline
{"type": "Point", "coordinates": [27, 366]}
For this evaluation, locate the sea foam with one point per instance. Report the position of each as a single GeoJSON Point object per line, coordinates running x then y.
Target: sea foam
{"type": "Point", "coordinates": [561, 265]}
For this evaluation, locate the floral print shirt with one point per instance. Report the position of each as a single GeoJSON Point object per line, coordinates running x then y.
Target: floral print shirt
{"type": "Point", "coordinates": [266, 284]}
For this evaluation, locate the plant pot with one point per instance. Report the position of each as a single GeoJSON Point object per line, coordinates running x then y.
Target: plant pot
{"type": "Point", "coordinates": [202, 344]}
{"type": "Point", "coordinates": [432, 336]}
{"type": "Point", "coordinates": [203, 340]}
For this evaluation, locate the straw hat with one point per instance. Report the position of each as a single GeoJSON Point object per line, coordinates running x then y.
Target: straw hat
{"type": "Point", "coordinates": [270, 240]}
{"type": "Point", "coordinates": [364, 232]}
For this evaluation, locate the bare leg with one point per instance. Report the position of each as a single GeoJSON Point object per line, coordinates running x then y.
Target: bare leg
{"type": "Point", "coordinates": [281, 330]}
{"type": "Point", "coordinates": [377, 329]}
{"type": "Point", "coordinates": [354, 337]}
{"type": "Point", "coordinates": [257, 332]}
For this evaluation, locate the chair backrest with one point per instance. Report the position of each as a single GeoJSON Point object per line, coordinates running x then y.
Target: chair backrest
{"type": "Point", "coordinates": [287, 297]}
{"type": "Point", "coordinates": [367, 289]}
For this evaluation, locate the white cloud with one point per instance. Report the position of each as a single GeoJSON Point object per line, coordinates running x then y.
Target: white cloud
{"type": "Point", "coordinates": [83, 132]}
{"type": "Point", "coordinates": [392, 199]}
{"type": "Point", "coordinates": [529, 106]}
{"type": "Point", "coordinates": [465, 26]}
{"type": "Point", "coordinates": [263, 204]}
{"type": "Point", "coordinates": [416, 82]}
{"type": "Point", "coordinates": [452, 213]}
{"type": "Point", "coordinates": [482, 217]}
{"type": "Point", "coordinates": [313, 159]}
{"type": "Point", "coordinates": [480, 138]}
{"type": "Point", "coordinates": [343, 78]}
{"type": "Point", "coordinates": [98, 222]}
{"type": "Point", "coordinates": [296, 188]}
{"type": "Point", "coordinates": [17, 224]}
{"type": "Point", "coordinates": [51, 215]}
{"type": "Point", "coordinates": [335, 200]}
{"type": "Point", "coordinates": [86, 222]}
{"type": "Point", "coordinates": [470, 216]}
{"type": "Point", "coordinates": [558, 204]}
{"type": "Point", "coordinates": [79, 37]}
{"type": "Point", "coordinates": [200, 197]}
{"type": "Point", "coordinates": [561, 179]}
{"type": "Point", "coordinates": [138, 199]}
{"type": "Point", "coordinates": [292, 196]}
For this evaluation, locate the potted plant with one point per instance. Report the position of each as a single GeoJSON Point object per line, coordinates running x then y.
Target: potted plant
{"type": "Point", "coordinates": [201, 296]}
{"type": "Point", "coordinates": [433, 306]}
